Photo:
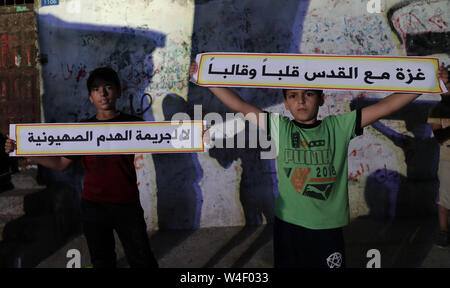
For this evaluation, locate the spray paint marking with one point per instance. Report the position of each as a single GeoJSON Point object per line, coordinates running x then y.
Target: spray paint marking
{"type": "Point", "coordinates": [139, 158]}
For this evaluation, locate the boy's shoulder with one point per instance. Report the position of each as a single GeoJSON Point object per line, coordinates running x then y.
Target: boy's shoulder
{"type": "Point", "coordinates": [277, 116]}
{"type": "Point", "coordinates": [347, 114]}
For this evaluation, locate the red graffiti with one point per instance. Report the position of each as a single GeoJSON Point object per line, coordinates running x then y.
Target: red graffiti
{"type": "Point", "coordinates": [362, 167]}
{"type": "Point", "coordinates": [385, 175]}
{"type": "Point", "coordinates": [360, 153]}
{"type": "Point", "coordinates": [354, 178]}
{"type": "Point", "coordinates": [361, 95]}
{"type": "Point", "coordinates": [7, 43]}
{"type": "Point", "coordinates": [438, 21]}
{"type": "Point", "coordinates": [365, 168]}
{"type": "Point", "coordinates": [81, 74]}
{"type": "Point", "coordinates": [136, 158]}
{"type": "Point", "coordinates": [412, 21]}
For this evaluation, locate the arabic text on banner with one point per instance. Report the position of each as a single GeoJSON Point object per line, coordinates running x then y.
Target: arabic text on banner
{"type": "Point", "coordinates": [107, 138]}
{"type": "Point", "coordinates": [370, 73]}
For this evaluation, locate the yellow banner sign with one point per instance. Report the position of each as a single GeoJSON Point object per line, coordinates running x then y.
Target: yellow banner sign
{"type": "Point", "coordinates": [107, 138]}
{"type": "Point", "coordinates": [299, 71]}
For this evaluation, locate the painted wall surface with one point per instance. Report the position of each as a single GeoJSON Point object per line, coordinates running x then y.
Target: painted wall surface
{"type": "Point", "coordinates": [151, 44]}
{"type": "Point", "coordinates": [397, 155]}
{"type": "Point", "coordinates": [148, 43]}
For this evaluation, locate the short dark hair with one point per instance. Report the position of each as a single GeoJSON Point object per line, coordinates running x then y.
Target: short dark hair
{"type": "Point", "coordinates": [319, 92]}
{"type": "Point", "coordinates": [103, 73]}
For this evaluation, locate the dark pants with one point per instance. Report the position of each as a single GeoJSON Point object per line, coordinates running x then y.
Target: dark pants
{"type": "Point", "coordinates": [299, 247]}
{"type": "Point", "coordinates": [99, 221]}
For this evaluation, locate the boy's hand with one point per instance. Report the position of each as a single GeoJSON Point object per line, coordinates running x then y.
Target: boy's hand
{"type": "Point", "coordinates": [10, 145]}
{"type": "Point", "coordinates": [207, 138]}
{"type": "Point", "coordinates": [443, 74]}
{"type": "Point", "coordinates": [193, 69]}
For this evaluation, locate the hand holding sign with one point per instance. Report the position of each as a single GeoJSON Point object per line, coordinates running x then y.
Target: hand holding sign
{"type": "Point", "coordinates": [193, 69]}
{"type": "Point", "coordinates": [10, 145]}
{"type": "Point", "coordinates": [443, 74]}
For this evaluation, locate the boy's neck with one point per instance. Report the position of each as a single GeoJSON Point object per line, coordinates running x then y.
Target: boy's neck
{"type": "Point", "coordinates": [106, 115]}
{"type": "Point", "coordinates": [307, 122]}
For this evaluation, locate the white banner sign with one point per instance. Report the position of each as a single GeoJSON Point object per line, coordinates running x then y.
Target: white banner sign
{"type": "Point", "coordinates": [107, 138]}
{"type": "Point", "coordinates": [371, 73]}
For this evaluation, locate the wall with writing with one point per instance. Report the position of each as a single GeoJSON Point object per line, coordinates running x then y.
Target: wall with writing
{"type": "Point", "coordinates": [146, 42]}
{"type": "Point", "coordinates": [338, 28]}
{"type": "Point", "coordinates": [151, 44]}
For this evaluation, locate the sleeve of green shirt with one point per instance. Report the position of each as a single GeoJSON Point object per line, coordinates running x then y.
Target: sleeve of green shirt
{"type": "Point", "coordinates": [348, 124]}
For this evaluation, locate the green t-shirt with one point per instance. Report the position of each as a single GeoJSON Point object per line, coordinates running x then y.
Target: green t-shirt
{"type": "Point", "coordinates": [313, 169]}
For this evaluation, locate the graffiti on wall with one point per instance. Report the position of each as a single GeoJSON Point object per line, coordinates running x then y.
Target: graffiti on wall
{"type": "Point", "coordinates": [422, 27]}
{"type": "Point", "coordinates": [86, 47]}
{"type": "Point", "coordinates": [71, 50]}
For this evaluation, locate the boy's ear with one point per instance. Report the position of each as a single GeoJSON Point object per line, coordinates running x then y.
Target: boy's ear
{"type": "Point", "coordinates": [90, 98]}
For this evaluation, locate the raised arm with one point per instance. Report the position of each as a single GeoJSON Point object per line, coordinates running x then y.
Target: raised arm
{"type": "Point", "coordinates": [385, 107]}
{"type": "Point", "coordinates": [233, 101]}
{"type": "Point", "coordinates": [53, 162]}
{"type": "Point", "coordinates": [440, 133]}
{"type": "Point", "coordinates": [391, 103]}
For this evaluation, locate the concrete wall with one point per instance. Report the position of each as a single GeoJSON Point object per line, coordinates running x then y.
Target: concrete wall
{"type": "Point", "coordinates": [151, 44]}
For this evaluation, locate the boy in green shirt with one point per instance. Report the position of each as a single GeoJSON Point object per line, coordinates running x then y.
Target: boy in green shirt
{"type": "Point", "coordinates": [312, 205]}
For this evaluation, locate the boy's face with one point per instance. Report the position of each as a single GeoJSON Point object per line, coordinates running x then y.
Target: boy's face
{"type": "Point", "coordinates": [104, 95]}
{"type": "Point", "coordinates": [303, 104]}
